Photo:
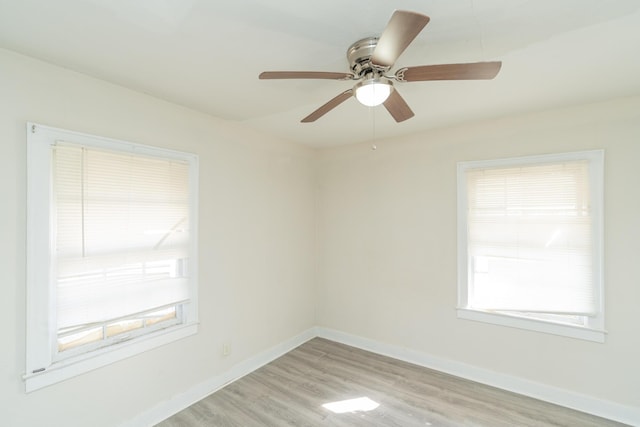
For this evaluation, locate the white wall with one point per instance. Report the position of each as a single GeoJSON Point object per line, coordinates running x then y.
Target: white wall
{"type": "Point", "coordinates": [388, 248]}
{"type": "Point", "coordinates": [257, 231]}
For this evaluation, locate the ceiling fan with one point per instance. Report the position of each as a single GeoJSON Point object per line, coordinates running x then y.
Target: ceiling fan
{"type": "Point", "coordinates": [370, 60]}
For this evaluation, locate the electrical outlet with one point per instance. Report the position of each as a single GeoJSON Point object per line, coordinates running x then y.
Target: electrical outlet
{"type": "Point", "coordinates": [226, 349]}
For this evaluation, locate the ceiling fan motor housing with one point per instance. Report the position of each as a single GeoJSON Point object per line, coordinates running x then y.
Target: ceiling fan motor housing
{"type": "Point", "coordinates": [359, 57]}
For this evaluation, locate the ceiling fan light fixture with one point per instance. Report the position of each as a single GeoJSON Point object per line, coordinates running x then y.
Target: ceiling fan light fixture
{"type": "Point", "coordinates": [372, 92]}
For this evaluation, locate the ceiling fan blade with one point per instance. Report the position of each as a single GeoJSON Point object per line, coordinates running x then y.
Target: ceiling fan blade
{"type": "Point", "coordinates": [328, 106]}
{"type": "Point", "coordinates": [397, 107]}
{"type": "Point", "coordinates": [473, 71]}
{"type": "Point", "coordinates": [402, 28]}
{"type": "Point", "coordinates": [305, 75]}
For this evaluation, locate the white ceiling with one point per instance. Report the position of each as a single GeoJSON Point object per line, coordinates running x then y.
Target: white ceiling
{"type": "Point", "coordinates": [207, 54]}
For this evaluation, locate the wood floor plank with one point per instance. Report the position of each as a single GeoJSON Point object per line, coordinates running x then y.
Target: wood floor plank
{"type": "Point", "coordinates": [291, 390]}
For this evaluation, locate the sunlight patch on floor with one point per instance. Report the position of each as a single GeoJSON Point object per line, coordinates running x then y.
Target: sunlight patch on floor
{"type": "Point", "coordinates": [352, 405]}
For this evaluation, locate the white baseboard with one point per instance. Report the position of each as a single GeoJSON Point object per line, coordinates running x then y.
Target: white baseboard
{"type": "Point", "coordinates": [177, 403]}
{"type": "Point", "coordinates": [602, 408]}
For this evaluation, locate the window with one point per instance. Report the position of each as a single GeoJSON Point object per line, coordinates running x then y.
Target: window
{"type": "Point", "coordinates": [530, 243]}
{"type": "Point", "coordinates": [111, 251]}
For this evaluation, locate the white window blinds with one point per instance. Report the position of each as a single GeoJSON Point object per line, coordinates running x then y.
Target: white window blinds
{"type": "Point", "coordinates": [529, 234]}
{"type": "Point", "coordinates": [122, 233]}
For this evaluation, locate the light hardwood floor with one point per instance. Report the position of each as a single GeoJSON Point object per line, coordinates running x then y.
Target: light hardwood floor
{"type": "Point", "coordinates": [291, 390]}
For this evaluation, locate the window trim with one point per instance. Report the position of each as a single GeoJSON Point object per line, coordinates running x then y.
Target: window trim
{"type": "Point", "coordinates": [42, 366]}
{"type": "Point", "coordinates": [594, 330]}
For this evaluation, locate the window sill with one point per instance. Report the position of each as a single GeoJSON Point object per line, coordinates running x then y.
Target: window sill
{"type": "Point", "coordinates": [578, 332]}
{"type": "Point", "coordinates": [73, 366]}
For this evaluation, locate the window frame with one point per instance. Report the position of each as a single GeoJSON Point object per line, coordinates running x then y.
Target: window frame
{"type": "Point", "coordinates": [593, 329]}
{"type": "Point", "coordinates": [43, 367]}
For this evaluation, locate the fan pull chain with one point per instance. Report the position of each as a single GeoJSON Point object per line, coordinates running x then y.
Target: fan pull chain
{"type": "Point", "coordinates": [373, 130]}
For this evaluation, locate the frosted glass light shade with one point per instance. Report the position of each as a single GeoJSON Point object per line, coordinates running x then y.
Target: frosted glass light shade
{"type": "Point", "coordinates": [372, 92]}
